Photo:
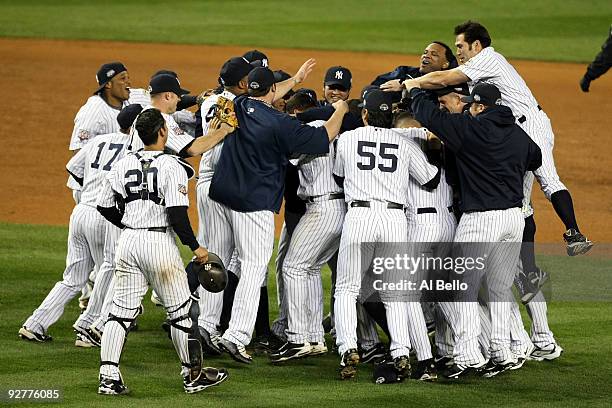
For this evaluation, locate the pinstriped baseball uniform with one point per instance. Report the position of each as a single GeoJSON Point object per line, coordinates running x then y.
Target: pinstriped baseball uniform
{"type": "Point", "coordinates": [86, 230]}
{"type": "Point", "coordinates": [184, 118]}
{"type": "Point", "coordinates": [95, 160]}
{"type": "Point", "coordinates": [376, 165]}
{"type": "Point", "coordinates": [211, 304]}
{"type": "Point", "coordinates": [426, 230]}
{"type": "Point", "coordinates": [177, 138]}
{"type": "Point", "coordinates": [146, 256]}
{"type": "Point", "coordinates": [490, 66]}
{"type": "Point", "coordinates": [314, 241]}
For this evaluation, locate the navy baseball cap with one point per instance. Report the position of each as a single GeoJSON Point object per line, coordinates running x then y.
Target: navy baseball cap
{"type": "Point", "coordinates": [385, 373]}
{"type": "Point", "coordinates": [280, 75]}
{"type": "Point", "coordinates": [234, 69]}
{"type": "Point", "coordinates": [461, 89]}
{"type": "Point", "coordinates": [309, 92]}
{"type": "Point", "coordinates": [261, 78]}
{"type": "Point", "coordinates": [256, 55]}
{"type": "Point", "coordinates": [339, 76]}
{"type": "Point", "coordinates": [484, 93]}
{"type": "Point", "coordinates": [108, 72]}
{"type": "Point", "coordinates": [377, 100]}
{"type": "Point", "coordinates": [166, 83]}
{"type": "Point", "coordinates": [128, 114]}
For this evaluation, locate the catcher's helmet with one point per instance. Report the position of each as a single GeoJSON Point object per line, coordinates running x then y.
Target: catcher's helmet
{"type": "Point", "coordinates": [212, 274]}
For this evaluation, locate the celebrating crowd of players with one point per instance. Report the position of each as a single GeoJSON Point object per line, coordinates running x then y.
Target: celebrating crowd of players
{"type": "Point", "coordinates": [443, 152]}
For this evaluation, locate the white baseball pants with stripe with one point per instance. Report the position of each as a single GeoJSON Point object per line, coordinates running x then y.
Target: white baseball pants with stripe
{"type": "Point", "coordinates": [376, 224]}
{"type": "Point", "coordinates": [252, 236]}
{"type": "Point", "coordinates": [85, 251]}
{"type": "Point", "coordinates": [314, 241]}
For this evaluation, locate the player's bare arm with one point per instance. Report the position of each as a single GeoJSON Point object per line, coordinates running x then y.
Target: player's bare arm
{"type": "Point", "coordinates": [433, 80]}
{"type": "Point", "coordinates": [333, 124]}
{"type": "Point", "coordinates": [283, 87]}
{"type": "Point", "coordinates": [216, 133]}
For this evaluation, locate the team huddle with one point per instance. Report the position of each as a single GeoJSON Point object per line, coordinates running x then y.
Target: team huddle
{"type": "Point", "coordinates": [435, 161]}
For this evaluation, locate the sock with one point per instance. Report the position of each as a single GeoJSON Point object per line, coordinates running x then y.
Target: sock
{"type": "Point", "coordinates": [377, 311]}
{"type": "Point", "coordinates": [564, 207]}
{"type": "Point", "coordinates": [262, 323]}
{"type": "Point", "coordinates": [228, 301]}
{"type": "Point", "coordinates": [527, 248]}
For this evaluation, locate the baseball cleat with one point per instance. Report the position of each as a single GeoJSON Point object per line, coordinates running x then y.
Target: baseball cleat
{"type": "Point", "coordinates": [210, 346]}
{"type": "Point", "coordinates": [317, 348]}
{"type": "Point", "coordinates": [462, 370]}
{"type": "Point", "coordinates": [327, 323]}
{"type": "Point", "coordinates": [548, 353]}
{"type": "Point", "coordinates": [442, 363]}
{"type": "Point", "coordinates": [290, 351]}
{"type": "Point", "coordinates": [374, 354]}
{"type": "Point", "coordinates": [27, 334]}
{"type": "Point", "coordinates": [492, 368]}
{"type": "Point", "coordinates": [86, 338]}
{"type": "Point", "coordinates": [108, 386]}
{"type": "Point", "coordinates": [236, 351]}
{"type": "Point", "coordinates": [425, 371]}
{"type": "Point", "coordinates": [577, 243]}
{"type": "Point", "coordinates": [529, 284]}
{"type": "Point", "coordinates": [209, 377]}
{"type": "Point", "coordinates": [348, 364]}
{"type": "Point", "coordinates": [155, 299]}
{"type": "Point", "coordinates": [402, 366]}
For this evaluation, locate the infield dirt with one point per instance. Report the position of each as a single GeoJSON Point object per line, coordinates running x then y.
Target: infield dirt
{"type": "Point", "coordinates": [44, 82]}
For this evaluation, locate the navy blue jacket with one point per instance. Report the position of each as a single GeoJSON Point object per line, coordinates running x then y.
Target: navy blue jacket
{"type": "Point", "coordinates": [250, 174]}
{"type": "Point", "coordinates": [492, 152]}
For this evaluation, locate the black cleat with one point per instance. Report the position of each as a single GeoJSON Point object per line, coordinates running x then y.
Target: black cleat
{"type": "Point", "coordinates": [442, 363]}
{"type": "Point", "coordinates": [236, 351]}
{"type": "Point", "coordinates": [425, 371]}
{"type": "Point", "coordinates": [208, 345]}
{"type": "Point", "coordinates": [86, 338]}
{"type": "Point", "coordinates": [528, 285]}
{"type": "Point", "coordinates": [492, 368]}
{"type": "Point", "coordinates": [577, 243]}
{"type": "Point", "coordinates": [290, 351]}
{"type": "Point", "coordinates": [402, 366]}
{"type": "Point", "coordinates": [27, 334]}
{"type": "Point", "coordinates": [108, 386]}
{"type": "Point", "coordinates": [209, 377]}
{"type": "Point", "coordinates": [348, 364]}
{"type": "Point", "coordinates": [461, 370]}
{"type": "Point", "coordinates": [374, 354]}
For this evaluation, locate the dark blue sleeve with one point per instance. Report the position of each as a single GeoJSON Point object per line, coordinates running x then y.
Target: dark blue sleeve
{"type": "Point", "coordinates": [349, 121]}
{"type": "Point", "coordinates": [295, 137]}
{"type": "Point", "coordinates": [451, 128]}
{"type": "Point", "coordinates": [397, 73]}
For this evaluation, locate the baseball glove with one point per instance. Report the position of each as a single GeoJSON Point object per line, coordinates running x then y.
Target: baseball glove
{"type": "Point", "coordinates": [225, 112]}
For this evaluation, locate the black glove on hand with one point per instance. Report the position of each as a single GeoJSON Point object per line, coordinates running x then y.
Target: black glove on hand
{"type": "Point", "coordinates": [585, 83]}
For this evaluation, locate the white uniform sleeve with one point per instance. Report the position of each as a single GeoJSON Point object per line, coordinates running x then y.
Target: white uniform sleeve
{"type": "Point", "coordinates": [106, 198]}
{"type": "Point", "coordinates": [139, 96]}
{"type": "Point", "coordinates": [177, 138]}
{"type": "Point", "coordinates": [175, 184]}
{"type": "Point", "coordinates": [76, 165]}
{"type": "Point", "coordinates": [419, 168]}
{"type": "Point", "coordinates": [86, 126]}
{"type": "Point", "coordinates": [339, 159]}
{"type": "Point", "coordinates": [481, 67]}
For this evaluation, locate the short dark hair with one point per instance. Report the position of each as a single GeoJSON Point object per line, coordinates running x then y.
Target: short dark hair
{"type": "Point", "coordinates": [300, 101]}
{"type": "Point", "coordinates": [148, 124]}
{"type": "Point", "coordinates": [259, 92]}
{"type": "Point", "coordinates": [380, 119]}
{"type": "Point", "coordinates": [448, 53]}
{"type": "Point", "coordinates": [401, 116]}
{"type": "Point", "coordinates": [472, 31]}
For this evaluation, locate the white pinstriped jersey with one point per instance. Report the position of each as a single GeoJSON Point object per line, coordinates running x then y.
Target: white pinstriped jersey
{"type": "Point", "coordinates": [316, 172]}
{"type": "Point", "coordinates": [377, 163]}
{"type": "Point", "coordinates": [145, 204]}
{"type": "Point", "coordinates": [94, 118]}
{"type": "Point", "coordinates": [492, 67]}
{"type": "Point", "coordinates": [177, 138]}
{"type": "Point", "coordinates": [139, 96]}
{"type": "Point", "coordinates": [93, 162]}
{"type": "Point", "coordinates": [210, 158]}
{"type": "Point", "coordinates": [418, 196]}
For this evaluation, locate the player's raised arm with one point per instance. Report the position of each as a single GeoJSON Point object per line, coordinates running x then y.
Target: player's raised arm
{"type": "Point", "coordinates": [334, 123]}
{"type": "Point", "coordinates": [283, 87]}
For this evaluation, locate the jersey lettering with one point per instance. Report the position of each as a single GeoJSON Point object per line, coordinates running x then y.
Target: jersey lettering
{"type": "Point", "coordinates": [117, 147]}
{"type": "Point", "coordinates": [385, 152]}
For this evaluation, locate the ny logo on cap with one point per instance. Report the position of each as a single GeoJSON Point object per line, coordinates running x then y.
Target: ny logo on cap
{"type": "Point", "coordinates": [339, 74]}
{"type": "Point", "coordinates": [384, 107]}
{"type": "Point", "coordinates": [264, 62]}
{"type": "Point", "coordinates": [110, 73]}
{"type": "Point", "coordinates": [477, 98]}
{"type": "Point", "coordinates": [254, 85]}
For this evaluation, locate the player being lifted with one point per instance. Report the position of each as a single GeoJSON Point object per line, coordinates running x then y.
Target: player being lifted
{"type": "Point", "coordinates": [152, 187]}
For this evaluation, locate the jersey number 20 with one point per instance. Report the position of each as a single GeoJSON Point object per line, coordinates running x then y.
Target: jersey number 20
{"type": "Point", "coordinates": [386, 156]}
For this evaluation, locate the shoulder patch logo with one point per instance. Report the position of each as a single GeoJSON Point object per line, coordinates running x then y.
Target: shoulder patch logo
{"type": "Point", "coordinates": [83, 134]}
{"type": "Point", "coordinates": [182, 189]}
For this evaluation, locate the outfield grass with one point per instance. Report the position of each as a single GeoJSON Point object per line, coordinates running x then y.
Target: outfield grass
{"type": "Point", "coordinates": [32, 260]}
{"type": "Point", "coordinates": [543, 30]}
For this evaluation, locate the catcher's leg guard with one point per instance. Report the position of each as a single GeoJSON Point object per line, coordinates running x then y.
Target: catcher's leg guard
{"type": "Point", "coordinates": [186, 336]}
{"type": "Point", "coordinates": [113, 340]}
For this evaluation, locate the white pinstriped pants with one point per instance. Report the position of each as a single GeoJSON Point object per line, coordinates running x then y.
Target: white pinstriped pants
{"type": "Point", "coordinates": [85, 250]}
{"type": "Point", "coordinates": [315, 240]}
{"type": "Point", "coordinates": [426, 230]}
{"type": "Point", "coordinates": [376, 224]}
{"type": "Point", "coordinates": [211, 304]}
{"type": "Point", "coordinates": [251, 234]}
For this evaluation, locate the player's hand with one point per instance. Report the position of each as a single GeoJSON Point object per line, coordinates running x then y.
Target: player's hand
{"type": "Point", "coordinates": [226, 128]}
{"type": "Point", "coordinates": [214, 124]}
{"type": "Point", "coordinates": [392, 86]}
{"type": "Point", "coordinates": [341, 106]}
{"type": "Point", "coordinates": [411, 83]}
{"type": "Point", "coordinates": [305, 70]}
{"type": "Point", "coordinates": [201, 255]}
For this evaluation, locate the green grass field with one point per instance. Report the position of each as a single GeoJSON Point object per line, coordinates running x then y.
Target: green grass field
{"type": "Point", "coordinates": [555, 30]}
{"type": "Point", "coordinates": [32, 260]}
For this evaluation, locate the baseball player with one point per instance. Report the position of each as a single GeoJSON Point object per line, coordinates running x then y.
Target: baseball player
{"type": "Point", "coordinates": [91, 165]}
{"type": "Point", "coordinates": [152, 187]}
{"type": "Point", "coordinates": [374, 164]}
{"type": "Point", "coordinates": [600, 65]}
{"type": "Point", "coordinates": [481, 63]}
{"type": "Point", "coordinates": [245, 205]}
{"type": "Point", "coordinates": [86, 234]}
{"type": "Point", "coordinates": [491, 202]}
